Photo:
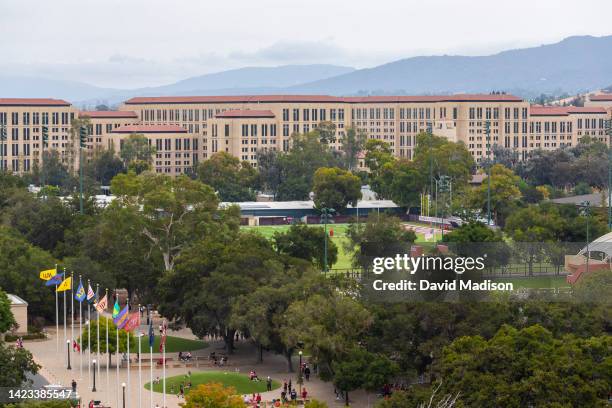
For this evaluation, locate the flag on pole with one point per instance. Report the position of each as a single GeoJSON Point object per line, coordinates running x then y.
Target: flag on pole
{"type": "Point", "coordinates": [132, 322]}
{"type": "Point", "coordinates": [66, 285]}
{"type": "Point", "coordinates": [151, 334]}
{"type": "Point", "coordinates": [121, 318]}
{"type": "Point", "coordinates": [90, 294]}
{"type": "Point", "coordinates": [80, 293]}
{"type": "Point", "coordinates": [75, 346]}
{"type": "Point", "coordinates": [162, 343]}
{"type": "Point", "coordinates": [48, 274]}
{"type": "Point", "coordinates": [55, 279]}
{"type": "Point", "coordinates": [102, 304]}
{"type": "Point", "coordinates": [116, 308]}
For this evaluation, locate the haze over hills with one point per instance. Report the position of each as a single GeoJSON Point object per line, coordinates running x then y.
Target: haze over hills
{"type": "Point", "coordinates": [574, 65]}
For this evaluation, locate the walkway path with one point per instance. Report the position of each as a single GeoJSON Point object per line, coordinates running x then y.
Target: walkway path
{"type": "Point", "coordinates": [54, 370]}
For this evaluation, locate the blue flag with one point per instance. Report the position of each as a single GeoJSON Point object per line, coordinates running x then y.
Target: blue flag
{"type": "Point", "coordinates": [80, 293]}
{"type": "Point", "coordinates": [55, 279]}
{"type": "Point", "coordinates": [151, 334]}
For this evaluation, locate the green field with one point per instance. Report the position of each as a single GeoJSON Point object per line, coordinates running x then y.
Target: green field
{"type": "Point", "coordinates": [240, 382]}
{"type": "Point", "coordinates": [173, 344]}
{"type": "Point", "coordinates": [339, 238]}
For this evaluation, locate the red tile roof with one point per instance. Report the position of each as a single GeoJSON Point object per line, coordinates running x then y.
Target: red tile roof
{"type": "Point", "coordinates": [245, 113]}
{"type": "Point", "coordinates": [32, 102]}
{"type": "Point", "coordinates": [601, 98]}
{"type": "Point", "coordinates": [150, 129]}
{"type": "Point", "coordinates": [107, 114]}
{"type": "Point", "coordinates": [321, 99]}
{"type": "Point", "coordinates": [537, 110]}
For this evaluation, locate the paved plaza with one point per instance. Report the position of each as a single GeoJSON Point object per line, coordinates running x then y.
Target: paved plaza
{"type": "Point", "coordinates": [243, 360]}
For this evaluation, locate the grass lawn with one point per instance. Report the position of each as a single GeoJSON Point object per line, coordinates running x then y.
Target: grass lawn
{"type": "Point", "coordinates": [536, 282]}
{"type": "Point", "coordinates": [339, 238]}
{"type": "Point", "coordinates": [173, 344]}
{"type": "Point", "coordinates": [240, 382]}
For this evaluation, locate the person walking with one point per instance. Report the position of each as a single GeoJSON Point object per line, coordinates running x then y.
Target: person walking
{"type": "Point", "coordinates": [307, 373]}
{"type": "Point", "coordinates": [269, 383]}
{"type": "Point", "coordinates": [74, 385]}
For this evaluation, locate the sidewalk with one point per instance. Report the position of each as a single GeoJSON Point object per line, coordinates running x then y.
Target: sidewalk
{"type": "Point", "coordinates": [243, 360]}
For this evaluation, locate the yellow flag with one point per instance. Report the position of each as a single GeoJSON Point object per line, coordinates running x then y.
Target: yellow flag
{"type": "Point", "coordinates": [65, 285]}
{"type": "Point", "coordinates": [46, 275]}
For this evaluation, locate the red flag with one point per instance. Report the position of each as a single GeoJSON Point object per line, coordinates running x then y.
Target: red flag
{"type": "Point", "coordinates": [132, 322]}
{"type": "Point", "coordinates": [75, 346]}
{"type": "Point", "coordinates": [162, 343]}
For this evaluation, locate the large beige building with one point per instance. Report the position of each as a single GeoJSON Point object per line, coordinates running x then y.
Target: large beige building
{"type": "Point", "coordinates": [186, 130]}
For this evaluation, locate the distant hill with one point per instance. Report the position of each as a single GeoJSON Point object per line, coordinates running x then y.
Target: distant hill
{"type": "Point", "coordinates": [573, 65]}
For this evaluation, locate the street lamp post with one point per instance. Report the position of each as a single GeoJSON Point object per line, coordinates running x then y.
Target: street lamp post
{"type": "Point", "coordinates": [82, 145]}
{"type": "Point", "coordinates": [487, 130]}
{"type": "Point", "coordinates": [300, 378]}
{"type": "Point", "coordinates": [68, 351]}
{"type": "Point", "coordinates": [93, 388]}
{"type": "Point", "coordinates": [123, 387]}
{"type": "Point", "coordinates": [430, 136]}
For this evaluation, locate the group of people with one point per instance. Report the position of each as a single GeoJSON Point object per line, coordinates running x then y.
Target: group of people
{"type": "Point", "coordinates": [186, 356]}
{"type": "Point", "coordinates": [252, 400]}
{"type": "Point", "coordinates": [290, 394]}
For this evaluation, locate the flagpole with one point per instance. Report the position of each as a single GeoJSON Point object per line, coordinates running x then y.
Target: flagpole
{"type": "Point", "coordinates": [72, 310]}
{"type": "Point", "coordinates": [88, 333]}
{"type": "Point", "coordinates": [81, 330]}
{"type": "Point", "coordinates": [107, 352]}
{"type": "Point", "coordinates": [164, 363]}
{"type": "Point", "coordinates": [65, 331]}
{"type": "Point", "coordinates": [117, 358]}
{"type": "Point", "coordinates": [127, 333]}
{"type": "Point", "coordinates": [98, 330]}
{"type": "Point", "coordinates": [56, 314]}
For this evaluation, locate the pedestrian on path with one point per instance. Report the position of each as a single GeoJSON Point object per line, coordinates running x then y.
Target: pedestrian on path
{"type": "Point", "coordinates": [74, 385]}
{"type": "Point", "coordinates": [269, 383]}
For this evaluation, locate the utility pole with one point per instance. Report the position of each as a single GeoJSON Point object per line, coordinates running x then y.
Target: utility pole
{"type": "Point", "coordinates": [2, 144]}
{"type": "Point", "coordinates": [430, 136]}
{"type": "Point", "coordinates": [487, 129]}
{"type": "Point", "coordinates": [586, 211]}
{"type": "Point", "coordinates": [609, 133]}
{"type": "Point", "coordinates": [82, 145]}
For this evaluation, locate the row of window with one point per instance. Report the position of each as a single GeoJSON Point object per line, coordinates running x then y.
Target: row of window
{"type": "Point", "coordinates": [34, 118]}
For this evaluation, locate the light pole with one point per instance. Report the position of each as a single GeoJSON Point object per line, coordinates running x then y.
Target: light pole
{"type": "Point", "coordinates": [586, 211]}
{"type": "Point", "coordinates": [45, 141]}
{"type": "Point", "coordinates": [326, 215]}
{"type": "Point", "coordinates": [300, 378]}
{"type": "Point", "coordinates": [430, 136]}
{"type": "Point", "coordinates": [93, 388]}
{"type": "Point", "coordinates": [68, 351]}
{"type": "Point", "coordinates": [123, 387]}
{"type": "Point", "coordinates": [487, 129]}
{"type": "Point", "coordinates": [609, 133]}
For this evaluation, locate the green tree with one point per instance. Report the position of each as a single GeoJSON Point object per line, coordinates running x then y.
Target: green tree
{"type": "Point", "coordinates": [232, 180]}
{"type": "Point", "coordinates": [475, 239]}
{"type": "Point", "coordinates": [335, 188]}
{"type": "Point", "coordinates": [527, 367]}
{"type": "Point", "coordinates": [377, 154]}
{"type": "Point", "coordinates": [382, 235]}
{"type": "Point", "coordinates": [326, 132]}
{"type": "Point", "coordinates": [56, 172]}
{"type": "Point", "coordinates": [270, 171]}
{"type": "Point", "coordinates": [103, 167]}
{"type": "Point", "coordinates": [445, 157]}
{"type": "Point", "coordinates": [137, 153]}
{"type": "Point", "coordinates": [112, 338]}
{"type": "Point", "coordinates": [362, 369]}
{"type": "Point", "coordinates": [7, 320]}
{"type": "Point", "coordinates": [505, 193]}
{"type": "Point", "coordinates": [19, 266]}
{"type": "Point", "coordinates": [298, 166]}
{"type": "Point", "coordinates": [211, 274]}
{"type": "Point", "coordinates": [16, 364]}
{"type": "Point", "coordinates": [172, 212]}
{"type": "Point", "coordinates": [305, 242]}
{"type": "Point", "coordinates": [400, 181]}
{"type": "Point", "coordinates": [329, 327]}
{"type": "Point", "coordinates": [353, 143]}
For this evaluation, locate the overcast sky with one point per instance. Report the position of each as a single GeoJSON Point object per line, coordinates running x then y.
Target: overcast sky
{"type": "Point", "coordinates": [134, 43]}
